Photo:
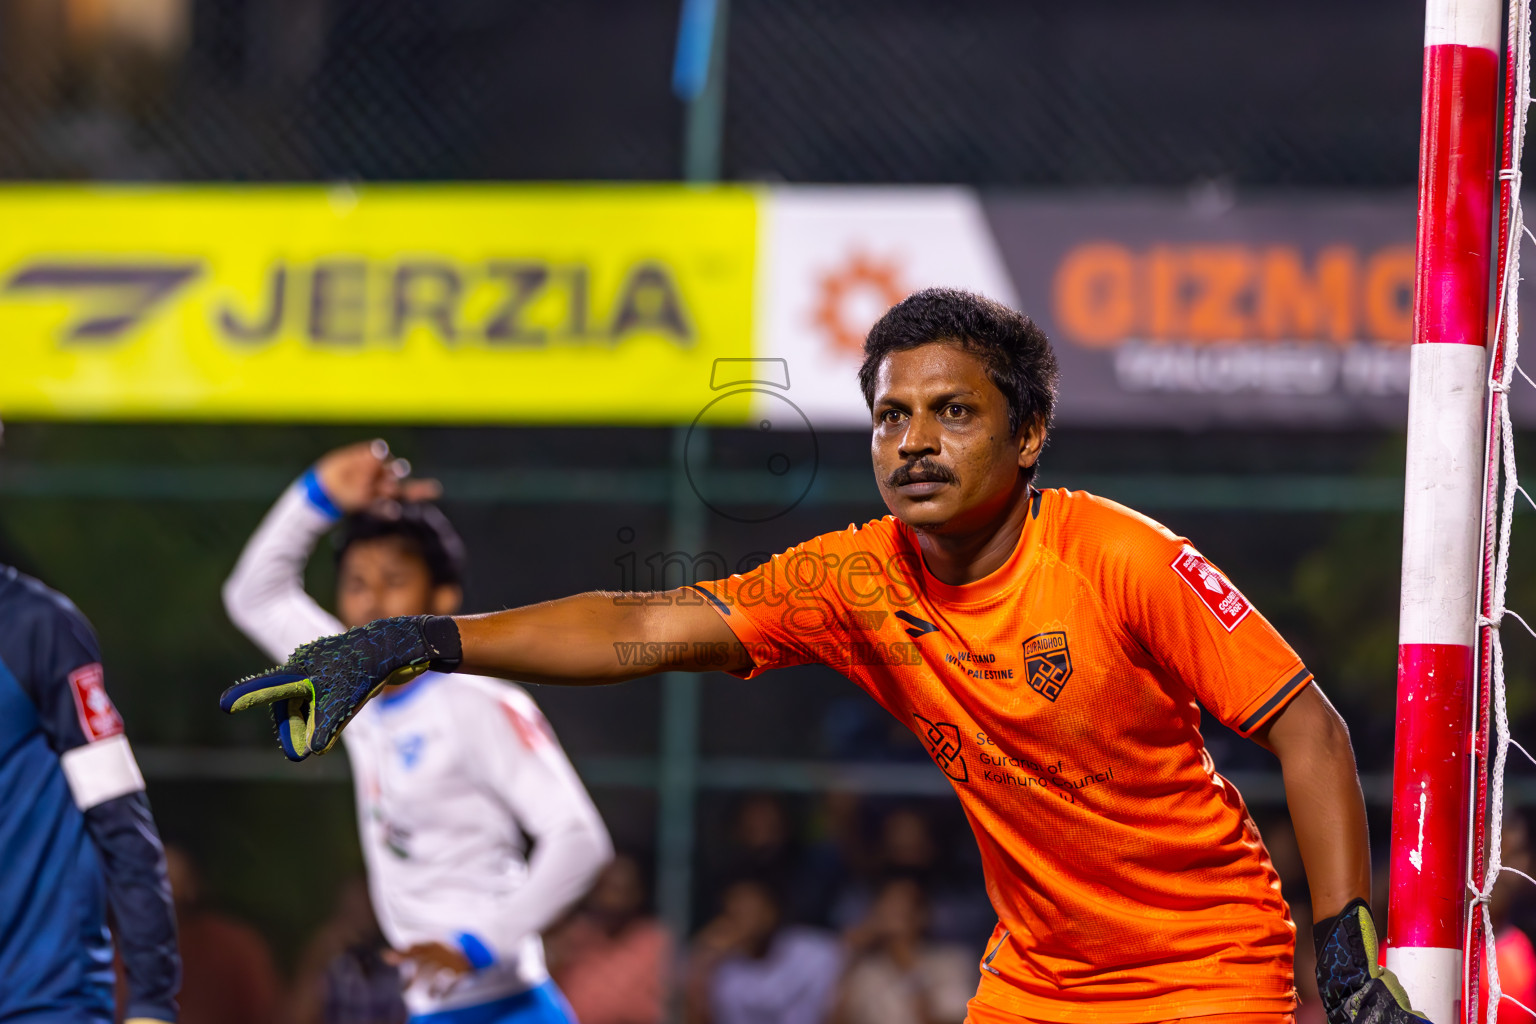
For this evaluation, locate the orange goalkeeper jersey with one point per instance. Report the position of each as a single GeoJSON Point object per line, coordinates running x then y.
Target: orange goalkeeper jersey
{"type": "Point", "coordinates": [1058, 694]}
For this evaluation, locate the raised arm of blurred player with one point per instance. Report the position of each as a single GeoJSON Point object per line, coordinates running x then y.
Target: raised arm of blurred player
{"type": "Point", "coordinates": [519, 763]}
{"type": "Point", "coordinates": [602, 637]}
{"type": "Point", "coordinates": [264, 595]}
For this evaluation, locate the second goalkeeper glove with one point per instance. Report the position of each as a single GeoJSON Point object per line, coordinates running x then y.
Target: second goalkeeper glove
{"type": "Point", "coordinates": [315, 693]}
{"type": "Point", "coordinates": [1354, 988]}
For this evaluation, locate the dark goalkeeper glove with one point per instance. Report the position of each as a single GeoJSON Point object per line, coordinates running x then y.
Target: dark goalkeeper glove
{"type": "Point", "coordinates": [1355, 989]}
{"type": "Point", "coordinates": [315, 693]}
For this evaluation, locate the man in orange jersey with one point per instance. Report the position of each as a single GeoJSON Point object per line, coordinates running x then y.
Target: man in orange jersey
{"type": "Point", "coordinates": [1049, 647]}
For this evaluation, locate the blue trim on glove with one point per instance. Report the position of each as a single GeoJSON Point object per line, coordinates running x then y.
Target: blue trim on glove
{"type": "Point", "coordinates": [285, 732]}
{"type": "Point", "coordinates": [475, 951]}
{"type": "Point", "coordinates": [321, 501]}
{"type": "Point", "coordinates": [255, 684]}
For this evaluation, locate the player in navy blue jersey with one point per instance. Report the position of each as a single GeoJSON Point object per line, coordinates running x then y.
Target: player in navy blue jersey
{"type": "Point", "coordinates": [76, 835]}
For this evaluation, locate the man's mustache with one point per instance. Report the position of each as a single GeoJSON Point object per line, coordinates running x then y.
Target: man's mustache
{"type": "Point", "coordinates": [919, 472]}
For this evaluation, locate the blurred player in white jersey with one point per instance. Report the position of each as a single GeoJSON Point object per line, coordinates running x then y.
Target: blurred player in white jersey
{"type": "Point", "coordinates": [448, 784]}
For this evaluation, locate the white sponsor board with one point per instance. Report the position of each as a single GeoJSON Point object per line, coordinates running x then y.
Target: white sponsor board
{"type": "Point", "coordinates": [832, 260]}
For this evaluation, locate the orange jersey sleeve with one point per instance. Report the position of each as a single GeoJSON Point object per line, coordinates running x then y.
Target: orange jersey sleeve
{"type": "Point", "coordinates": [1199, 627]}
{"type": "Point", "coordinates": [810, 604]}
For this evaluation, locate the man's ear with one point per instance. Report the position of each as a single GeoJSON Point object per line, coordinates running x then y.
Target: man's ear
{"type": "Point", "coordinates": [1031, 441]}
{"type": "Point", "coordinates": [447, 598]}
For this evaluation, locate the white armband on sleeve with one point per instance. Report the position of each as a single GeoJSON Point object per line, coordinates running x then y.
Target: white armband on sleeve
{"type": "Point", "coordinates": [101, 771]}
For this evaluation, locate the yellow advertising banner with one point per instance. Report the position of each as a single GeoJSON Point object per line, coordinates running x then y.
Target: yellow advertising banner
{"type": "Point", "coordinates": [550, 304]}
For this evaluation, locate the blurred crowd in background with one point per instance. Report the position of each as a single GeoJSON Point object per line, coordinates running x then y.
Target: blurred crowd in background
{"type": "Point", "coordinates": [865, 912]}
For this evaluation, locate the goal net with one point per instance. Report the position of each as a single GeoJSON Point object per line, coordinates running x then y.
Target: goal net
{"type": "Point", "coordinates": [1461, 490]}
{"type": "Point", "coordinates": [1501, 488]}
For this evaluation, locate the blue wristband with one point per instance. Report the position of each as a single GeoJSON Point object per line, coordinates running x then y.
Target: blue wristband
{"type": "Point", "coordinates": [322, 502]}
{"type": "Point", "coordinates": [476, 952]}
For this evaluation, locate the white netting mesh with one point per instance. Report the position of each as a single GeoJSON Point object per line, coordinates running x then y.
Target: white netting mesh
{"type": "Point", "coordinates": [1502, 446]}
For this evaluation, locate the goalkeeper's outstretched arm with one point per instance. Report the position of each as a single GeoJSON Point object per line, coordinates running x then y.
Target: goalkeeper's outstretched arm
{"type": "Point", "coordinates": [601, 637]}
{"type": "Point", "coordinates": [584, 640]}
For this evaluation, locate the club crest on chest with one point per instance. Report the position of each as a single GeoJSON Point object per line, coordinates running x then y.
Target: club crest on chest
{"type": "Point", "coordinates": [1048, 663]}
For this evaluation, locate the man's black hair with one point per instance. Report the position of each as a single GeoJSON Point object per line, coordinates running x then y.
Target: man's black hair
{"type": "Point", "coordinates": [1015, 351]}
{"type": "Point", "coordinates": [420, 526]}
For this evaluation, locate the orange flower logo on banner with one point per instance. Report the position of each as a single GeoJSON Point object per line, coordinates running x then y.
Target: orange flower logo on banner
{"type": "Point", "coordinates": [851, 298]}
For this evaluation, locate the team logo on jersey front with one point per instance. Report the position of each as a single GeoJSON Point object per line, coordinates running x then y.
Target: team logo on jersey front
{"type": "Point", "coordinates": [1217, 592]}
{"type": "Point", "coordinates": [409, 748]}
{"type": "Point", "coordinates": [943, 742]}
{"type": "Point", "coordinates": [98, 718]}
{"type": "Point", "coordinates": [1048, 663]}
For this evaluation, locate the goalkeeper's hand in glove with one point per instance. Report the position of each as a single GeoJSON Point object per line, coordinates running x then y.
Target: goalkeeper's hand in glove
{"type": "Point", "coordinates": [1355, 990]}
{"type": "Point", "coordinates": [315, 693]}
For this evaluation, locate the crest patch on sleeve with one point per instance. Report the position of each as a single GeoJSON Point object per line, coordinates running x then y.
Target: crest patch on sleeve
{"type": "Point", "coordinates": [1215, 591]}
{"type": "Point", "coordinates": [98, 718]}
